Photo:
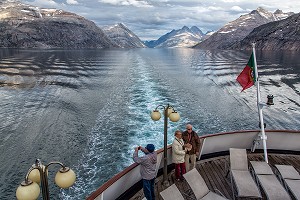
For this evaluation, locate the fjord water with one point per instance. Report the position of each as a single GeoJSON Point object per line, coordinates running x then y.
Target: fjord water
{"type": "Point", "coordinates": [90, 108]}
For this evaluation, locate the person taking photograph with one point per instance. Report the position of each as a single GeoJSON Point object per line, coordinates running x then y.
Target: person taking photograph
{"type": "Point", "coordinates": [148, 168]}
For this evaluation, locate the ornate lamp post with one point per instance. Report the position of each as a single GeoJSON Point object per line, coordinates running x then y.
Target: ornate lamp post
{"type": "Point", "coordinates": [29, 188]}
{"type": "Point", "coordinates": [174, 116]}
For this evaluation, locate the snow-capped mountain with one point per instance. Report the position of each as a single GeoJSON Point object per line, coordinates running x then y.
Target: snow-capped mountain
{"type": "Point", "coordinates": [123, 37]}
{"type": "Point", "coordinates": [196, 31]}
{"type": "Point", "coordinates": [279, 15]}
{"type": "Point", "coordinates": [185, 37]}
{"type": "Point", "coordinates": [283, 35]}
{"type": "Point", "coordinates": [27, 26]}
{"type": "Point", "coordinates": [238, 29]}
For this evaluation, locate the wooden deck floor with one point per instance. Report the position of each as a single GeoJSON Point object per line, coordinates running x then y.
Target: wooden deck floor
{"type": "Point", "coordinates": [214, 173]}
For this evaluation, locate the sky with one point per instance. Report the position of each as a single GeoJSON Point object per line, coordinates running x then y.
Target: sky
{"type": "Point", "coordinates": [150, 19]}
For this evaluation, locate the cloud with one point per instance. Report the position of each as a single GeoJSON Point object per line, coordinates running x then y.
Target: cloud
{"type": "Point", "coordinates": [72, 2]}
{"type": "Point", "coordinates": [231, 1]}
{"type": "Point", "coordinates": [237, 9]}
{"type": "Point", "coordinates": [214, 8]}
{"type": "Point", "coordinates": [136, 3]}
{"type": "Point", "coordinates": [150, 19]}
{"type": "Point", "coordinates": [47, 3]}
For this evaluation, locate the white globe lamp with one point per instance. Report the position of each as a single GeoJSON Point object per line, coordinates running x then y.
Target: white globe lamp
{"type": "Point", "coordinates": [174, 116]}
{"type": "Point", "coordinates": [65, 177]}
{"type": "Point", "coordinates": [155, 115]}
{"type": "Point", "coordinates": [28, 190]}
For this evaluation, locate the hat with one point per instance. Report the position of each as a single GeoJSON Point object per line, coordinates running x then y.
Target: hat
{"type": "Point", "coordinates": [150, 147]}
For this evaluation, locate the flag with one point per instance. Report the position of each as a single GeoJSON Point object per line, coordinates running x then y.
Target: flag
{"type": "Point", "coordinates": [247, 76]}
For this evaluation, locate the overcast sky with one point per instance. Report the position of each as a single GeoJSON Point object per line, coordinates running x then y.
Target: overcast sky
{"type": "Point", "coordinates": [150, 19]}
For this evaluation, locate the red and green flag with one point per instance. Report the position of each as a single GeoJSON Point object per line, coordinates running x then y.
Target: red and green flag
{"type": "Point", "coordinates": [247, 76]}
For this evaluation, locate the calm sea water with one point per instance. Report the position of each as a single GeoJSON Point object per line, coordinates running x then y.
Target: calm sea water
{"type": "Point", "coordinates": [89, 109]}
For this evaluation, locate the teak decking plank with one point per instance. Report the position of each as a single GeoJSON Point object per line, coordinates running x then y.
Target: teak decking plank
{"type": "Point", "coordinates": [294, 162]}
{"type": "Point", "coordinates": [211, 175]}
{"type": "Point", "coordinates": [204, 175]}
{"type": "Point", "coordinates": [212, 184]}
{"type": "Point", "coordinates": [219, 177]}
{"type": "Point", "coordinates": [226, 187]}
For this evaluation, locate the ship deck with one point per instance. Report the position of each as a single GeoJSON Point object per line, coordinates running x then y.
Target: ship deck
{"type": "Point", "coordinates": [214, 173]}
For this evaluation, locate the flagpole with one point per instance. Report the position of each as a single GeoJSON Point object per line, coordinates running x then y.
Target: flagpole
{"type": "Point", "coordinates": [260, 106]}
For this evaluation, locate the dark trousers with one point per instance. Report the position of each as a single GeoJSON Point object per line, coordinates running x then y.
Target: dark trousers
{"type": "Point", "coordinates": [179, 170]}
{"type": "Point", "coordinates": [148, 187]}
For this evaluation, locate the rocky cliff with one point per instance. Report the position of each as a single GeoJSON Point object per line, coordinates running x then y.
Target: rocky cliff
{"type": "Point", "coordinates": [284, 35]}
{"type": "Point", "coordinates": [25, 26]}
{"type": "Point", "coordinates": [238, 29]}
{"type": "Point", "coordinates": [123, 37]}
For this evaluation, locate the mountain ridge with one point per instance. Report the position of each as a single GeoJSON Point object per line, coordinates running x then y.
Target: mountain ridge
{"type": "Point", "coordinates": [123, 36]}
{"type": "Point", "coordinates": [27, 26]}
{"type": "Point", "coordinates": [283, 34]}
{"type": "Point", "coordinates": [184, 37]}
{"type": "Point", "coordinates": [238, 29]}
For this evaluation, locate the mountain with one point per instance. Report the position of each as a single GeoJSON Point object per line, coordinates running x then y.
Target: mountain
{"type": "Point", "coordinates": [283, 34]}
{"type": "Point", "coordinates": [185, 37]}
{"type": "Point", "coordinates": [238, 29]}
{"type": "Point", "coordinates": [26, 26]}
{"type": "Point", "coordinates": [196, 31]}
{"type": "Point", "coordinates": [123, 37]}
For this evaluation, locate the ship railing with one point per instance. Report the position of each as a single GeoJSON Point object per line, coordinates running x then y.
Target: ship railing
{"type": "Point", "coordinates": [213, 145]}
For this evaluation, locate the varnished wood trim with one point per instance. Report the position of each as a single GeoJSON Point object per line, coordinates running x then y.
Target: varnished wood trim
{"type": "Point", "coordinates": [131, 167]}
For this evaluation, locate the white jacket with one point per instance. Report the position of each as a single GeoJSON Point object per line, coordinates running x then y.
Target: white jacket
{"type": "Point", "coordinates": [177, 151]}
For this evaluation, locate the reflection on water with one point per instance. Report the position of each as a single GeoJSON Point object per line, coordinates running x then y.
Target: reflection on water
{"type": "Point", "coordinates": [89, 108]}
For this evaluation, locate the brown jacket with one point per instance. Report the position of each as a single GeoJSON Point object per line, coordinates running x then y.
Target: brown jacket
{"type": "Point", "coordinates": [194, 141]}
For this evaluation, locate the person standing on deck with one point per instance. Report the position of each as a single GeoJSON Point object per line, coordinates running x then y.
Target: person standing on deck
{"type": "Point", "coordinates": [148, 168]}
{"type": "Point", "coordinates": [192, 142]}
{"type": "Point", "coordinates": [178, 154]}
